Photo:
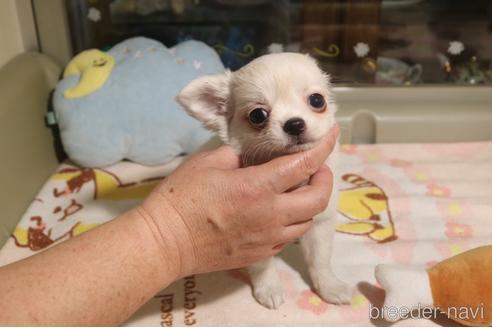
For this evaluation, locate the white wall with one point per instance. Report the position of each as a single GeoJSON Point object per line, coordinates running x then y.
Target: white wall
{"type": "Point", "coordinates": [17, 31]}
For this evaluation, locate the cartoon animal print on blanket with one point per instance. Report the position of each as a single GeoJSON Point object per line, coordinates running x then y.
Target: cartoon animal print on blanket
{"type": "Point", "coordinates": [366, 205]}
{"type": "Point", "coordinates": [63, 212]}
{"type": "Point", "coordinates": [105, 185]}
{"type": "Point", "coordinates": [36, 237]}
{"type": "Point", "coordinates": [76, 198]}
{"type": "Point", "coordinates": [51, 223]}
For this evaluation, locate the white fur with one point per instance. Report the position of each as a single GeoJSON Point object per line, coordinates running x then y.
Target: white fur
{"type": "Point", "coordinates": [280, 83]}
{"type": "Point", "coordinates": [405, 286]}
{"type": "Point", "coordinates": [205, 99]}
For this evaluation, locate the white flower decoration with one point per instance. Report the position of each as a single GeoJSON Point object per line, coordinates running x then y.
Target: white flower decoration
{"type": "Point", "coordinates": [94, 14]}
{"type": "Point", "coordinates": [456, 47]}
{"type": "Point", "coordinates": [197, 64]}
{"type": "Point", "coordinates": [275, 48]}
{"type": "Point", "coordinates": [361, 49]}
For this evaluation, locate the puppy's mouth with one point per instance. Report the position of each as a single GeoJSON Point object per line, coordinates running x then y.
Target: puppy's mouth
{"type": "Point", "coordinates": [298, 144]}
{"type": "Point", "coordinates": [255, 155]}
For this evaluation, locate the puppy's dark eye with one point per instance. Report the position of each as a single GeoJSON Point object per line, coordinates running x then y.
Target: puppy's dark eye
{"type": "Point", "coordinates": [258, 116]}
{"type": "Point", "coordinates": [317, 102]}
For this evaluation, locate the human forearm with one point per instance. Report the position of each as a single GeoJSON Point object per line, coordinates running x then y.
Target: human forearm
{"type": "Point", "coordinates": [208, 215]}
{"type": "Point", "coordinates": [98, 278]}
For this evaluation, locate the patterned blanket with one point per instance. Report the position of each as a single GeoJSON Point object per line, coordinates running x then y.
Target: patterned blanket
{"type": "Point", "coordinates": [408, 204]}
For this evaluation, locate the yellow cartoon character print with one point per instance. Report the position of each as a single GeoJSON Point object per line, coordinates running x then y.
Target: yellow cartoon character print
{"type": "Point", "coordinates": [366, 206]}
{"type": "Point", "coordinates": [93, 67]}
{"type": "Point", "coordinates": [105, 185]}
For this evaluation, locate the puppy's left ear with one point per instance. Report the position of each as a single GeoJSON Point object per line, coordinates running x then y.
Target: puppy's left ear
{"type": "Point", "coordinates": [206, 99]}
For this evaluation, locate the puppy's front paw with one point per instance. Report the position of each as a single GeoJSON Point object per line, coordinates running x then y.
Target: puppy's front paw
{"type": "Point", "coordinates": [335, 291]}
{"type": "Point", "coordinates": [269, 295]}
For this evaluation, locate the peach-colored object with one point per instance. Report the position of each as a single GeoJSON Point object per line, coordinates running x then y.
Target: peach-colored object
{"type": "Point", "coordinates": [464, 282]}
{"type": "Point", "coordinates": [460, 287]}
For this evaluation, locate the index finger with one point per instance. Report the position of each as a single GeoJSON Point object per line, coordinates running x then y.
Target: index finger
{"type": "Point", "coordinates": [288, 171]}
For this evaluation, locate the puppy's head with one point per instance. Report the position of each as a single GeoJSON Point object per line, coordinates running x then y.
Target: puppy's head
{"type": "Point", "coordinates": [277, 104]}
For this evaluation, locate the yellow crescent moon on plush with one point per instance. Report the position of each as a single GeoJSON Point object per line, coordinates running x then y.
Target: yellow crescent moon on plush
{"type": "Point", "coordinates": [94, 67]}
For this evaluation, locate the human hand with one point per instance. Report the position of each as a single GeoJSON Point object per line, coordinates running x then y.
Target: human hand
{"type": "Point", "coordinates": [212, 215]}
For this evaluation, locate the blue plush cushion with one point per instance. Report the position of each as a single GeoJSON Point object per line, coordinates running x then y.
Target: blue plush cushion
{"type": "Point", "coordinates": [134, 114]}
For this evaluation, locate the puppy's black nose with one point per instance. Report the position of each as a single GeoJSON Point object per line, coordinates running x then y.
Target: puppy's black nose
{"type": "Point", "coordinates": [295, 126]}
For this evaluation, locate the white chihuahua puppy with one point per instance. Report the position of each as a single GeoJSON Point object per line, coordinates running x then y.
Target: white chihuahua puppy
{"type": "Point", "coordinates": [277, 104]}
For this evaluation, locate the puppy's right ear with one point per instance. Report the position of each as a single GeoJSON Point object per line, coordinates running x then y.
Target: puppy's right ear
{"type": "Point", "coordinates": [205, 98]}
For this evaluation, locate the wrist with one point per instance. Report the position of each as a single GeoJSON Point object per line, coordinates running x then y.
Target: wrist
{"type": "Point", "coordinates": [169, 235]}
{"type": "Point", "coordinates": [162, 259]}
